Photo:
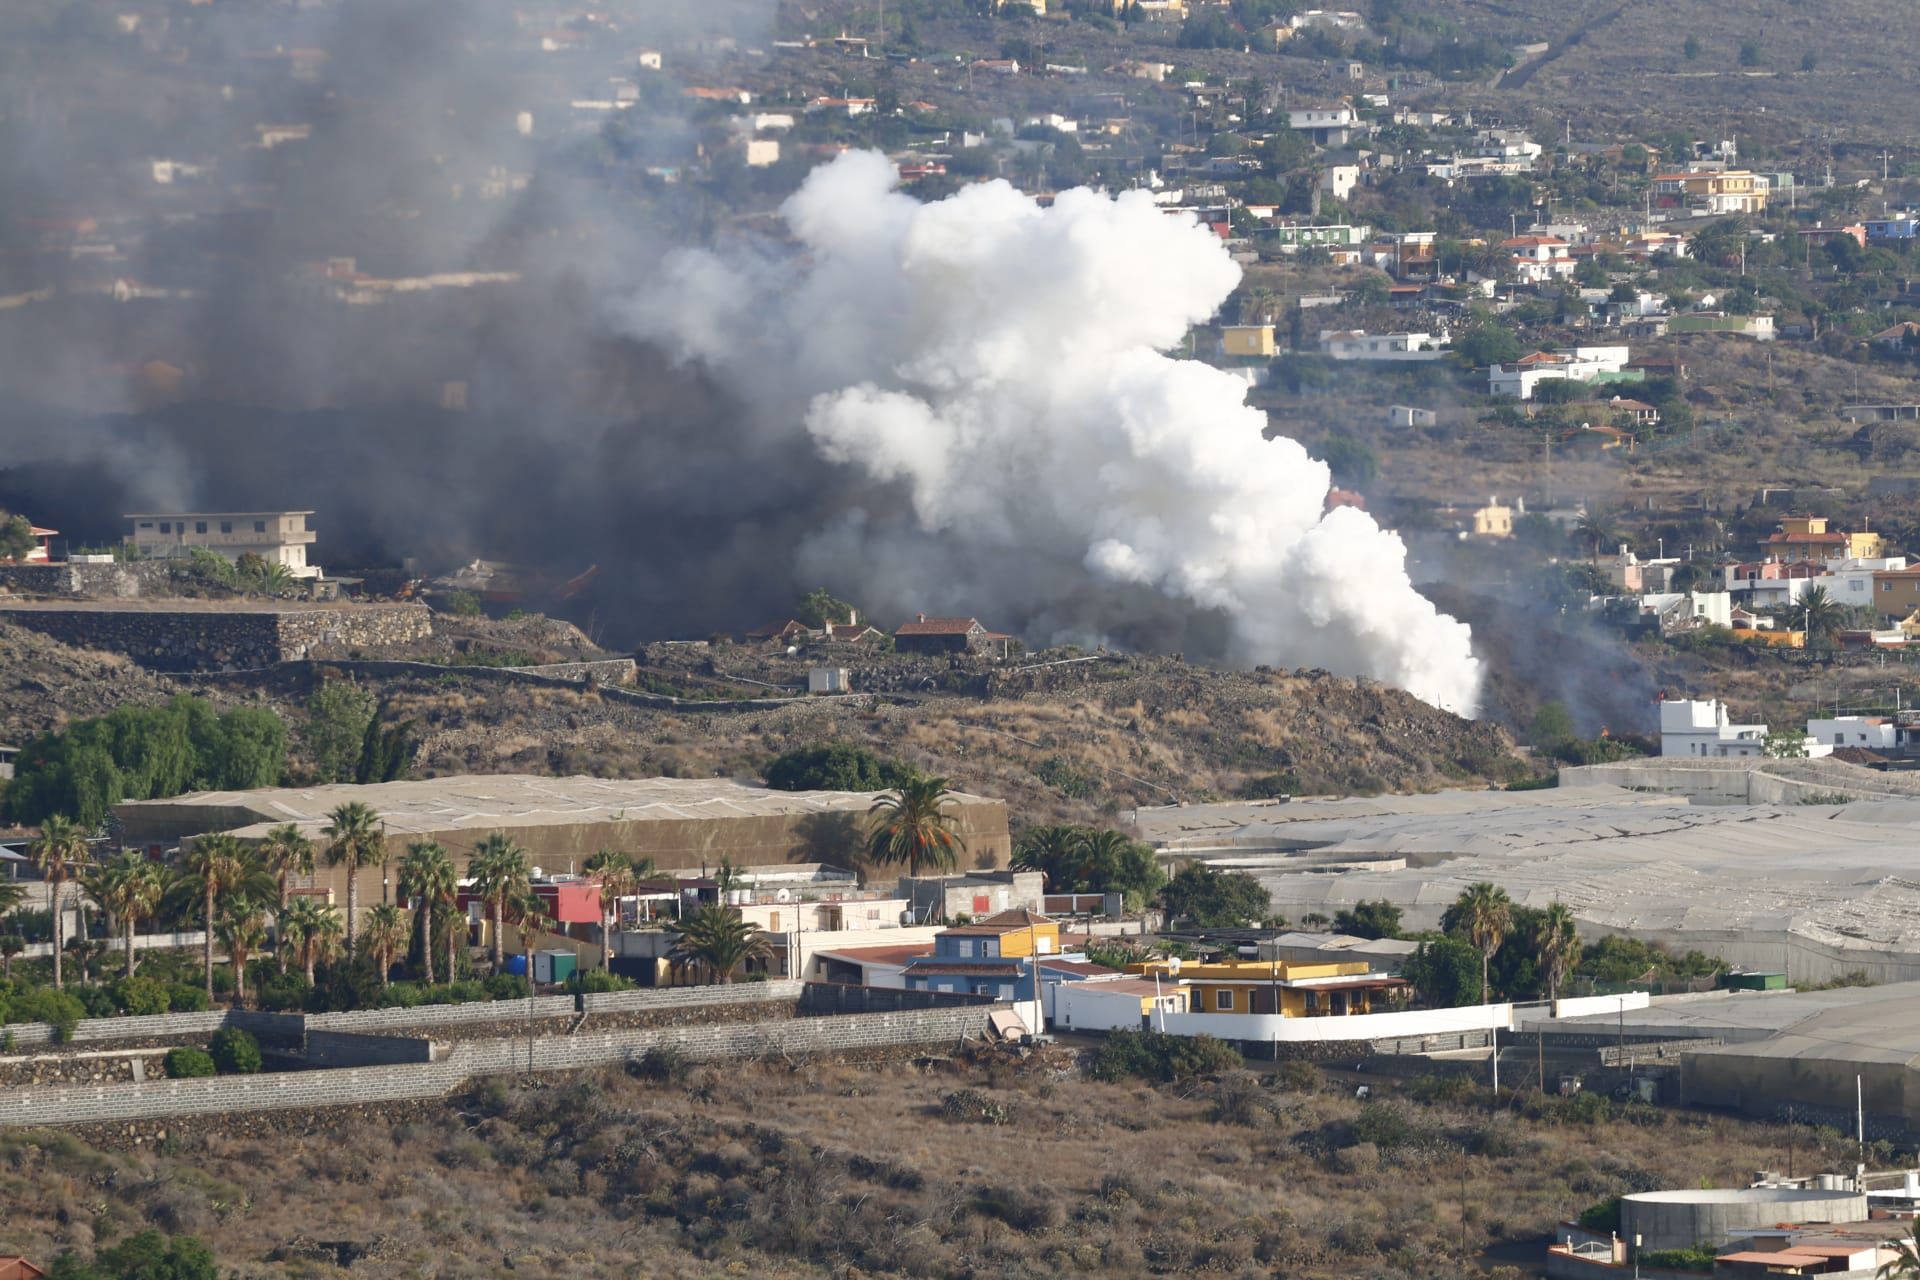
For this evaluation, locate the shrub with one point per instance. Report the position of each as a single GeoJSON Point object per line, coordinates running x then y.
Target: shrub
{"type": "Point", "coordinates": [186, 1063]}
{"type": "Point", "coordinates": [282, 992]}
{"type": "Point", "coordinates": [596, 982]}
{"type": "Point", "coordinates": [834, 766]}
{"type": "Point", "coordinates": [663, 1064]}
{"type": "Point", "coordinates": [1589, 1108]}
{"type": "Point", "coordinates": [507, 986]}
{"type": "Point", "coordinates": [1297, 1076]}
{"type": "Point", "coordinates": [141, 997]}
{"type": "Point", "coordinates": [58, 1009]}
{"type": "Point", "coordinates": [1604, 1216]}
{"type": "Point", "coordinates": [235, 1052]}
{"type": "Point", "coordinates": [404, 995]}
{"type": "Point", "coordinates": [98, 1002]}
{"type": "Point", "coordinates": [970, 1106]}
{"type": "Point", "coordinates": [1387, 1125]}
{"type": "Point", "coordinates": [184, 997]}
{"type": "Point", "coordinates": [1153, 1055]}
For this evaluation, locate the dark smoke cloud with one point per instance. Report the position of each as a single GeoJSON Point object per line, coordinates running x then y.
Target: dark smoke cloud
{"type": "Point", "coordinates": [250, 386]}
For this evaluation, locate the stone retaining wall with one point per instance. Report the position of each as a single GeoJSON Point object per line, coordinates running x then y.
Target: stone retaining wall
{"type": "Point", "coordinates": [120, 581]}
{"type": "Point", "coordinates": [348, 1049]}
{"type": "Point", "coordinates": [303, 1089]}
{"type": "Point", "coordinates": [187, 640]}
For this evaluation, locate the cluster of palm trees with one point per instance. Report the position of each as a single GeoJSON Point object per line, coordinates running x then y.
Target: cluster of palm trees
{"type": "Point", "coordinates": [1486, 913]}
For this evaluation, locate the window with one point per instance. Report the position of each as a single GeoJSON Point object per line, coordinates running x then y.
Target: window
{"type": "Point", "coordinates": [259, 526]}
{"type": "Point", "coordinates": [146, 524]}
{"type": "Point", "coordinates": [166, 526]}
{"type": "Point", "coordinates": [199, 526]}
{"type": "Point", "coordinates": [963, 947]}
{"type": "Point", "coordinates": [1223, 1000]}
{"type": "Point", "coordinates": [226, 526]}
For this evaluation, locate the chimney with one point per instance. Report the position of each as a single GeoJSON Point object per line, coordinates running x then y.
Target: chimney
{"type": "Point", "coordinates": [920, 618]}
{"type": "Point", "coordinates": [853, 617]}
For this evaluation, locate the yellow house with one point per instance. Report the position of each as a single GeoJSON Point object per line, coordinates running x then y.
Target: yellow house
{"type": "Point", "coordinates": [1896, 594]}
{"type": "Point", "coordinates": [1494, 520]}
{"type": "Point", "coordinates": [1252, 340]}
{"type": "Point", "coordinates": [1810, 536]}
{"type": "Point", "coordinates": [1772, 639]}
{"type": "Point", "coordinates": [1010, 935]}
{"type": "Point", "coordinates": [1290, 989]}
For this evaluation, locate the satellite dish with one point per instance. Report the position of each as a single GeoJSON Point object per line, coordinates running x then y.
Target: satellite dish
{"type": "Point", "coordinates": [785, 895]}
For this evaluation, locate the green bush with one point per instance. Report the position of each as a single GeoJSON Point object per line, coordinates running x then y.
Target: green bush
{"type": "Point", "coordinates": [596, 982]}
{"type": "Point", "coordinates": [186, 1063]}
{"type": "Point", "coordinates": [1589, 1108]}
{"type": "Point", "coordinates": [58, 1009]}
{"type": "Point", "coordinates": [456, 993]}
{"type": "Point", "coordinates": [284, 992]}
{"type": "Point", "coordinates": [404, 995]}
{"type": "Point", "coordinates": [1602, 1217]}
{"type": "Point", "coordinates": [141, 997]}
{"type": "Point", "coordinates": [97, 1001]}
{"type": "Point", "coordinates": [834, 766]}
{"type": "Point", "coordinates": [235, 1052]}
{"type": "Point", "coordinates": [184, 997]}
{"type": "Point", "coordinates": [146, 1255]}
{"type": "Point", "coordinates": [1695, 1258]}
{"type": "Point", "coordinates": [1153, 1055]}
{"type": "Point", "coordinates": [507, 986]}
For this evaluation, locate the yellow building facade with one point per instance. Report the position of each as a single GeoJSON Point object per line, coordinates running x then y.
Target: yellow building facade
{"type": "Point", "coordinates": [1293, 990]}
{"type": "Point", "coordinates": [1248, 340]}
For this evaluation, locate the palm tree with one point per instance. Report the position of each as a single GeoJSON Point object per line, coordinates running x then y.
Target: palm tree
{"type": "Point", "coordinates": [243, 931]}
{"type": "Point", "coordinates": [59, 854]}
{"type": "Point", "coordinates": [1598, 529]}
{"type": "Point", "coordinates": [1055, 850]}
{"type": "Point", "coordinates": [128, 889]}
{"type": "Point", "coordinates": [354, 840]}
{"type": "Point", "coordinates": [386, 935]}
{"type": "Point", "coordinates": [1488, 914]}
{"type": "Point", "coordinates": [720, 941]}
{"type": "Point", "coordinates": [500, 872]}
{"type": "Point", "coordinates": [314, 928]}
{"type": "Point", "coordinates": [910, 824]}
{"type": "Point", "coordinates": [531, 917]}
{"type": "Point", "coordinates": [1905, 1263]}
{"type": "Point", "coordinates": [1556, 942]}
{"type": "Point", "coordinates": [287, 852]}
{"type": "Point", "coordinates": [617, 875]}
{"type": "Point", "coordinates": [12, 895]}
{"type": "Point", "coordinates": [1820, 614]}
{"type": "Point", "coordinates": [428, 878]}
{"type": "Point", "coordinates": [219, 869]}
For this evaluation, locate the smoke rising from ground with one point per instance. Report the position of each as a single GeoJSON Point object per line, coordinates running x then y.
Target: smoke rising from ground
{"type": "Point", "coordinates": [1001, 365]}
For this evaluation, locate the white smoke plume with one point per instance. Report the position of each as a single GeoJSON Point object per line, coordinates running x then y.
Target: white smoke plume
{"type": "Point", "coordinates": [1002, 366]}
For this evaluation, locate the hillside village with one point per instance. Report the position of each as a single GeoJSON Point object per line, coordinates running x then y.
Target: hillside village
{"type": "Point", "coordinates": [407, 865]}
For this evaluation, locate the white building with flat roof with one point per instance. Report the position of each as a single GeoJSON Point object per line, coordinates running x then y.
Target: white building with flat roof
{"type": "Point", "coordinates": [1702, 728]}
{"type": "Point", "coordinates": [278, 537]}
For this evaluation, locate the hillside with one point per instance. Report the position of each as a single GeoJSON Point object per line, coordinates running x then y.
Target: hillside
{"type": "Point", "coordinates": [1067, 741]}
{"type": "Point", "coordinates": [814, 1169]}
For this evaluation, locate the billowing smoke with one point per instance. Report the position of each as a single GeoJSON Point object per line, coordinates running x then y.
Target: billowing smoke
{"type": "Point", "coordinates": [999, 370]}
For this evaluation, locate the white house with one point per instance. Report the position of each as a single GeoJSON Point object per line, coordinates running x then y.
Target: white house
{"type": "Point", "coordinates": [1539, 258]}
{"type": "Point", "coordinates": [1339, 180]}
{"type": "Point", "coordinates": [1688, 611]}
{"type": "Point", "coordinates": [1871, 732]}
{"type": "Point", "coordinates": [278, 537]}
{"type": "Point", "coordinates": [1357, 344]}
{"type": "Point", "coordinates": [1581, 364]}
{"type": "Point", "coordinates": [1703, 729]}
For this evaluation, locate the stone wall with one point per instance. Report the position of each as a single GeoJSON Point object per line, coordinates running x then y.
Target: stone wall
{"type": "Point", "coordinates": [303, 1089]}
{"type": "Point", "coordinates": [115, 581]}
{"type": "Point", "coordinates": [327, 1049]}
{"type": "Point", "coordinates": [222, 639]}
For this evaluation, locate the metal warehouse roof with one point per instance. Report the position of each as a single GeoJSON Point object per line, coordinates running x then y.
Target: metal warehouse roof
{"type": "Point", "coordinates": [491, 801]}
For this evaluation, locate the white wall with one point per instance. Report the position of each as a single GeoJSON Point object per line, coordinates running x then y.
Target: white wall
{"type": "Point", "coordinates": [1581, 1006]}
{"type": "Point", "coordinates": [1271, 1027]}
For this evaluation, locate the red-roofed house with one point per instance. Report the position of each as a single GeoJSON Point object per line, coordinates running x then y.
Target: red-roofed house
{"type": "Point", "coordinates": [42, 550]}
{"type": "Point", "coordinates": [950, 635]}
{"type": "Point", "coordinates": [15, 1267]}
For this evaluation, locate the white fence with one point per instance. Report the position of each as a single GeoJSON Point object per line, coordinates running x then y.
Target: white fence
{"type": "Point", "coordinates": [1273, 1028]}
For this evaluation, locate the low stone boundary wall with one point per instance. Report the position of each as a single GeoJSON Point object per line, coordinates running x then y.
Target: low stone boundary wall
{"type": "Point", "coordinates": [187, 639]}
{"type": "Point", "coordinates": [432, 1015]}
{"type": "Point", "coordinates": [651, 998]}
{"type": "Point", "coordinates": [301, 1089]}
{"type": "Point", "coordinates": [348, 1049]}
{"type": "Point", "coordinates": [277, 1027]}
{"type": "Point", "coordinates": [833, 997]}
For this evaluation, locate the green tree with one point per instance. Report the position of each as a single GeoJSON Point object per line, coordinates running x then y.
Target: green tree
{"type": "Point", "coordinates": [1785, 744]}
{"type": "Point", "coordinates": [386, 934]}
{"type": "Point", "coordinates": [311, 928]}
{"type": "Point", "coordinates": [219, 870]}
{"type": "Point", "coordinates": [1207, 898]}
{"type": "Point", "coordinates": [719, 941]}
{"type": "Point", "coordinates": [337, 718]}
{"type": "Point", "coordinates": [129, 889]}
{"type": "Point", "coordinates": [1821, 615]}
{"type": "Point", "coordinates": [16, 536]}
{"type": "Point", "coordinates": [1378, 919]}
{"type": "Point", "coordinates": [59, 853]}
{"type": "Point", "coordinates": [385, 753]}
{"type": "Point", "coordinates": [428, 878]}
{"type": "Point", "coordinates": [834, 766]}
{"type": "Point", "coordinates": [354, 840]}
{"type": "Point", "coordinates": [1446, 973]}
{"type": "Point", "coordinates": [146, 1255]}
{"type": "Point", "coordinates": [1486, 344]}
{"type": "Point", "coordinates": [618, 874]}
{"type": "Point", "coordinates": [1486, 914]}
{"type": "Point", "coordinates": [911, 825]}
{"type": "Point", "coordinates": [242, 930]}
{"type": "Point", "coordinates": [819, 607]}
{"type": "Point", "coordinates": [1552, 725]}
{"type": "Point", "coordinates": [1598, 530]}
{"type": "Point", "coordinates": [501, 872]}
{"type": "Point", "coordinates": [1349, 460]}
{"type": "Point", "coordinates": [287, 852]}
{"type": "Point", "coordinates": [1556, 946]}
{"type": "Point", "coordinates": [532, 918]}
{"type": "Point", "coordinates": [1090, 860]}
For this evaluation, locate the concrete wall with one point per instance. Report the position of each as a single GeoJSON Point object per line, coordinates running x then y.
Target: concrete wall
{"type": "Point", "coordinates": [346, 1049]}
{"type": "Point", "coordinates": [279, 1028]}
{"type": "Point", "coordinates": [358, 1086]}
{"type": "Point", "coordinates": [113, 581]}
{"type": "Point", "coordinates": [226, 638]}
{"type": "Point", "coordinates": [1581, 1006]}
{"type": "Point", "coordinates": [1679, 1219]}
{"type": "Point", "coordinates": [1267, 1028]}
